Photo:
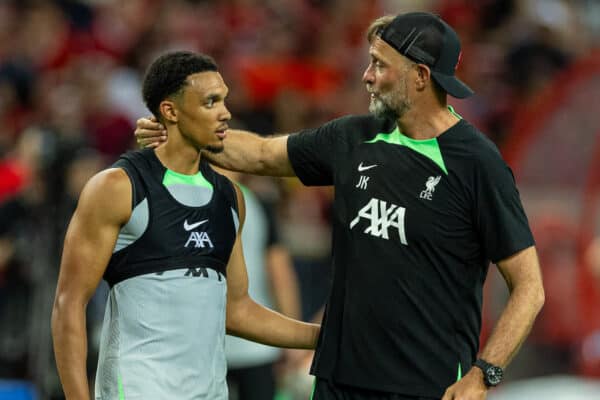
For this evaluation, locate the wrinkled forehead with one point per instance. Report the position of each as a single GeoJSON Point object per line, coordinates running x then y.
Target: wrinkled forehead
{"type": "Point", "coordinates": [381, 50]}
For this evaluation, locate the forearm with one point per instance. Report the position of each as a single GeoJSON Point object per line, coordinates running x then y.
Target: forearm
{"type": "Point", "coordinates": [513, 326]}
{"type": "Point", "coordinates": [254, 322]}
{"type": "Point", "coordinates": [247, 152]}
{"type": "Point", "coordinates": [70, 351]}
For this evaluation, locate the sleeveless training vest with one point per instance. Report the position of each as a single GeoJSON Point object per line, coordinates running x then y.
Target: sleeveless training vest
{"type": "Point", "coordinates": [174, 238]}
{"type": "Point", "coordinates": [164, 325]}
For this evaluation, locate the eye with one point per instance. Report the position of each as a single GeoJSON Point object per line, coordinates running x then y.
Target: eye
{"type": "Point", "coordinates": [210, 102]}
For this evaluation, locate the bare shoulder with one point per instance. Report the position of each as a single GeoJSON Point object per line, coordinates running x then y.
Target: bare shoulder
{"type": "Point", "coordinates": [107, 195]}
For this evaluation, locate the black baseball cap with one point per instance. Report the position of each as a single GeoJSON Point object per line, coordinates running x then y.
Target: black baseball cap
{"type": "Point", "coordinates": [426, 39]}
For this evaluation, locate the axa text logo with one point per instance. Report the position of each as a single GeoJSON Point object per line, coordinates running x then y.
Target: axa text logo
{"type": "Point", "coordinates": [197, 239]}
{"type": "Point", "coordinates": [381, 219]}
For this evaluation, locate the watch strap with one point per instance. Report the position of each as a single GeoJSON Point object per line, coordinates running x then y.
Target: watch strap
{"type": "Point", "coordinates": [492, 374]}
{"type": "Point", "coordinates": [482, 365]}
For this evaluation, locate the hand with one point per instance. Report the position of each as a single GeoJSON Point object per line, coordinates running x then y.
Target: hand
{"type": "Point", "coordinates": [470, 387]}
{"type": "Point", "coordinates": [150, 133]}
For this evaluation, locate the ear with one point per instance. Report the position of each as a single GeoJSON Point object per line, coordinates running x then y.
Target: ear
{"type": "Point", "coordinates": [423, 76]}
{"type": "Point", "coordinates": [168, 110]}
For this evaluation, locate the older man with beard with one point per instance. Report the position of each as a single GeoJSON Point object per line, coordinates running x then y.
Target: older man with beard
{"type": "Point", "coordinates": [423, 202]}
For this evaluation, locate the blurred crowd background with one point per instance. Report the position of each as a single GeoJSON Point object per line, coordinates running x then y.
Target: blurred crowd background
{"type": "Point", "coordinates": [70, 74]}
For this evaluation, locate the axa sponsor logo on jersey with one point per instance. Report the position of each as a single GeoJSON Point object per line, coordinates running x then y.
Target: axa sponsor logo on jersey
{"type": "Point", "coordinates": [384, 220]}
{"type": "Point", "coordinates": [197, 239]}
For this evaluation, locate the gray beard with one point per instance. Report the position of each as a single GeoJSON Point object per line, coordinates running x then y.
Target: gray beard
{"type": "Point", "coordinates": [382, 109]}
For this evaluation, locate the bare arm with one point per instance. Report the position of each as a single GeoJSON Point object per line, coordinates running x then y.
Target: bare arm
{"type": "Point", "coordinates": [104, 205]}
{"type": "Point", "coordinates": [524, 280]}
{"type": "Point", "coordinates": [247, 152]}
{"type": "Point", "coordinates": [523, 277]}
{"type": "Point", "coordinates": [244, 151]}
{"type": "Point", "coordinates": [250, 320]}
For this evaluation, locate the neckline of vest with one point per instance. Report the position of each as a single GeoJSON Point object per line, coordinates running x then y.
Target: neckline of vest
{"type": "Point", "coordinates": [159, 171]}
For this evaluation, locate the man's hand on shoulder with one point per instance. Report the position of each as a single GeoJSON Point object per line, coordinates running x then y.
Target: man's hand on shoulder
{"type": "Point", "coordinates": [149, 132]}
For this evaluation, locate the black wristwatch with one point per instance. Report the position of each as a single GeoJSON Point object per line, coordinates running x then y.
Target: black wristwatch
{"type": "Point", "coordinates": [492, 375]}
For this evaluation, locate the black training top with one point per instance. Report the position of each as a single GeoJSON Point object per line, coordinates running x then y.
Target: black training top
{"type": "Point", "coordinates": [170, 240]}
{"type": "Point", "coordinates": [415, 224]}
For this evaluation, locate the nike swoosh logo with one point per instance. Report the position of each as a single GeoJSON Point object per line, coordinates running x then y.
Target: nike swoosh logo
{"type": "Point", "coordinates": [362, 167]}
{"type": "Point", "coordinates": [189, 227]}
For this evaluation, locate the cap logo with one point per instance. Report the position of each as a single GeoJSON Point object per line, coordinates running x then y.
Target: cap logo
{"type": "Point", "coordinates": [458, 61]}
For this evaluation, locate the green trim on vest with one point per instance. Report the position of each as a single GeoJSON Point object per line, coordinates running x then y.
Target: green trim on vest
{"type": "Point", "coordinates": [120, 386]}
{"type": "Point", "coordinates": [457, 115]}
{"type": "Point", "coordinates": [459, 373]}
{"type": "Point", "coordinates": [312, 393]}
{"type": "Point", "coordinates": [175, 178]}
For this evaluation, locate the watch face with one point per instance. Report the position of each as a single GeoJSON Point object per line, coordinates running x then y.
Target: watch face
{"type": "Point", "coordinates": [494, 375]}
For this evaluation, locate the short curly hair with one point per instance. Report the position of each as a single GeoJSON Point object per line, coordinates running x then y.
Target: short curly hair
{"type": "Point", "coordinates": [167, 75]}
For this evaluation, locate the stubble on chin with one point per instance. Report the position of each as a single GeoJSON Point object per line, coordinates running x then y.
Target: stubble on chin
{"type": "Point", "coordinates": [381, 110]}
{"type": "Point", "coordinates": [215, 149]}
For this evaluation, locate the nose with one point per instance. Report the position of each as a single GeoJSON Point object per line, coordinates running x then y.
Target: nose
{"type": "Point", "coordinates": [226, 115]}
{"type": "Point", "coordinates": [368, 76]}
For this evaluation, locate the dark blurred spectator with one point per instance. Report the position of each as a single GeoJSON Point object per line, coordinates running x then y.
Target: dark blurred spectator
{"type": "Point", "coordinates": [532, 64]}
{"type": "Point", "coordinates": [271, 282]}
{"type": "Point", "coordinates": [16, 82]}
{"type": "Point", "coordinates": [24, 226]}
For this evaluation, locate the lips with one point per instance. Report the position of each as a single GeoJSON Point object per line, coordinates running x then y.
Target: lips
{"type": "Point", "coordinates": [222, 132]}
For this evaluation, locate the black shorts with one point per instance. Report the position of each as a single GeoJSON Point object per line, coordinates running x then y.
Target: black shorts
{"type": "Point", "coordinates": [326, 390]}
